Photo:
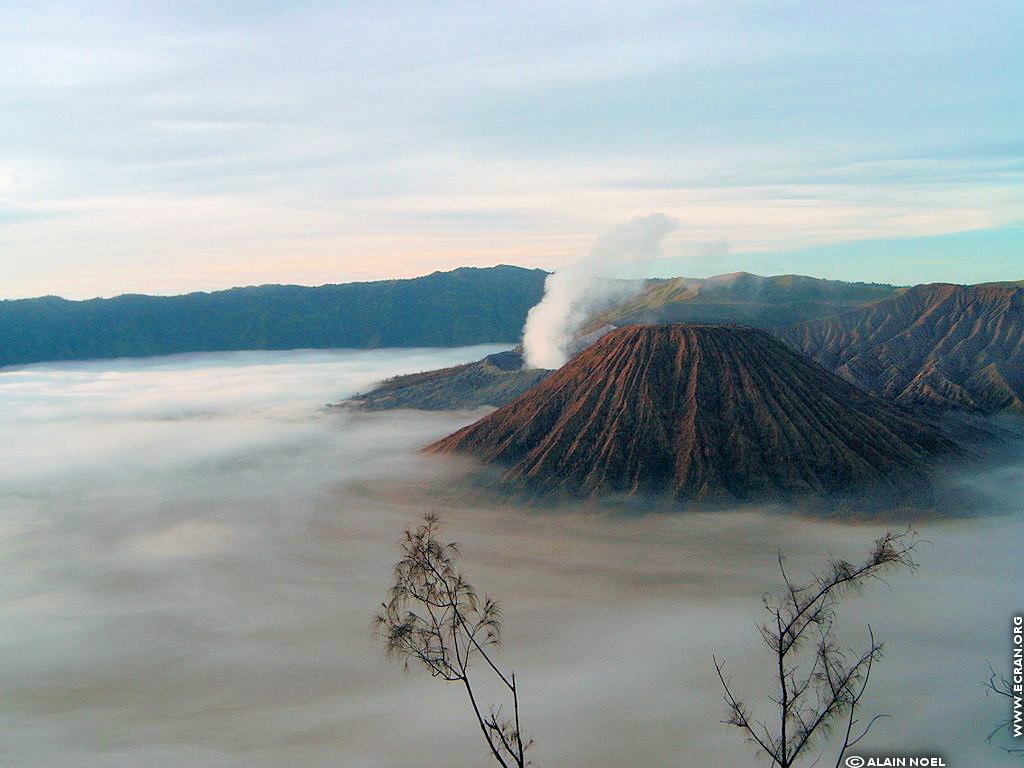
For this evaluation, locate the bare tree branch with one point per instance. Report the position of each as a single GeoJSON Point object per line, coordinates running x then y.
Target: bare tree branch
{"type": "Point", "coordinates": [1001, 686]}
{"type": "Point", "coordinates": [434, 617]}
{"type": "Point", "coordinates": [837, 678]}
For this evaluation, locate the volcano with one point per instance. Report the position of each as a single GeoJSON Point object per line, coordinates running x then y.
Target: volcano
{"type": "Point", "coordinates": [701, 411]}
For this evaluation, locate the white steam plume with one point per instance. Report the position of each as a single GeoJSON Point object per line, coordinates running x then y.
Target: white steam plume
{"type": "Point", "coordinates": [573, 294]}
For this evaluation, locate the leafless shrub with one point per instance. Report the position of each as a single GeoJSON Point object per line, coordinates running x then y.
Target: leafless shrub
{"type": "Point", "coordinates": [1001, 686]}
{"type": "Point", "coordinates": [434, 618]}
{"type": "Point", "coordinates": [817, 696]}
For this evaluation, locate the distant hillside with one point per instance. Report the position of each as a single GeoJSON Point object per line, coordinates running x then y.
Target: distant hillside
{"type": "Point", "coordinates": [762, 302]}
{"type": "Point", "coordinates": [494, 380]}
{"type": "Point", "coordinates": [739, 298]}
{"type": "Point", "coordinates": [935, 345]}
{"type": "Point", "coordinates": [464, 306]}
{"type": "Point", "coordinates": [701, 412]}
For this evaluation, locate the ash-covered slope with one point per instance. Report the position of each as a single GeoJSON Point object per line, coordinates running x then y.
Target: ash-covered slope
{"type": "Point", "coordinates": [700, 411]}
{"type": "Point", "coordinates": [936, 345]}
{"type": "Point", "coordinates": [494, 380]}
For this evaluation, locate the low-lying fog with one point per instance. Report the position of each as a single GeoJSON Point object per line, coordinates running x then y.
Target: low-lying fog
{"type": "Point", "coordinates": [192, 549]}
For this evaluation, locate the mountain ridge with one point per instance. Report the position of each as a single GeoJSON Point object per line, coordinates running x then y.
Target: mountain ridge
{"type": "Point", "coordinates": [725, 298]}
{"type": "Point", "coordinates": [937, 345]}
{"type": "Point", "coordinates": [461, 307]}
{"type": "Point", "coordinates": [743, 297]}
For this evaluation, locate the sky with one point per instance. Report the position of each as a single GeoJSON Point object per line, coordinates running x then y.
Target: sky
{"type": "Point", "coordinates": [165, 147]}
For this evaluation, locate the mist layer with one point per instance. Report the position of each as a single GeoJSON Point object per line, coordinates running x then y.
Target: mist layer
{"type": "Point", "coordinates": [192, 549]}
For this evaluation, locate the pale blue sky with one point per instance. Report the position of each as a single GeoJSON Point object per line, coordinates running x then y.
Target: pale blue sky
{"type": "Point", "coordinates": [164, 147]}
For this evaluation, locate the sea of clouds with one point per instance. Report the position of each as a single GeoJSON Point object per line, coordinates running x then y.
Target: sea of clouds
{"type": "Point", "coordinates": [192, 550]}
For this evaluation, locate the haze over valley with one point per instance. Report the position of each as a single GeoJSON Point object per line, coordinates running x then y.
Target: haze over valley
{"type": "Point", "coordinates": [192, 548]}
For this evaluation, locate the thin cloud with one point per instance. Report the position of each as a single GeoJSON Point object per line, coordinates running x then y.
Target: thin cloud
{"type": "Point", "coordinates": [571, 117]}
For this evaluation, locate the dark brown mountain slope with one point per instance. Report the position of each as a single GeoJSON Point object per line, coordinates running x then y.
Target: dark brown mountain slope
{"type": "Point", "coordinates": [936, 345]}
{"type": "Point", "coordinates": [494, 380]}
{"type": "Point", "coordinates": [700, 411]}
